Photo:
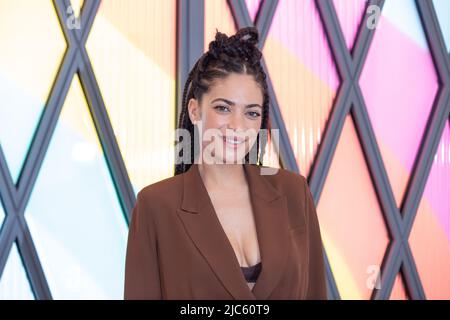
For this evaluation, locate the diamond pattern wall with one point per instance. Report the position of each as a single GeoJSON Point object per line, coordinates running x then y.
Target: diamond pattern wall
{"type": "Point", "coordinates": [24, 94]}
{"type": "Point", "coordinates": [361, 106]}
{"type": "Point", "coordinates": [399, 102]}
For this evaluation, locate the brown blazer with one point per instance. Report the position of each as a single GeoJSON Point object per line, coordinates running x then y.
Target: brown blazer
{"type": "Point", "coordinates": [177, 248]}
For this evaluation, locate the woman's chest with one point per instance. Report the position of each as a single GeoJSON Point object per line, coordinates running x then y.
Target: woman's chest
{"type": "Point", "coordinates": [235, 214]}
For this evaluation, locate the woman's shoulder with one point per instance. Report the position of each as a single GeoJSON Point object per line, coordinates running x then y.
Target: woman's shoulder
{"type": "Point", "coordinates": [283, 179]}
{"type": "Point", "coordinates": [165, 189]}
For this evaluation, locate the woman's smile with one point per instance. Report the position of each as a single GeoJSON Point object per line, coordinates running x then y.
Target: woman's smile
{"type": "Point", "coordinates": [233, 143]}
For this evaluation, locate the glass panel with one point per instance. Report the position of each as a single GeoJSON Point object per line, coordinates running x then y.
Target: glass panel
{"type": "Point", "coordinates": [303, 74]}
{"type": "Point", "coordinates": [74, 214]}
{"type": "Point", "coordinates": [138, 39]}
{"type": "Point", "coordinates": [399, 102]}
{"type": "Point", "coordinates": [14, 284]}
{"type": "Point", "coordinates": [352, 224]}
{"type": "Point", "coordinates": [430, 235]}
{"type": "Point", "coordinates": [76, 7]}
{"type": "Point", "coordinates": [253, 7]}
{"type": "Point", "coordinates": [350, 14]}
{"type": "Point", "coordinates": [217, 15]}
{"type": "Point", "coordinates": [398, 290]}
{"type": "Point", "coordinates": [442, 8]}
{"type": "Point", "coordinates": [29, 33]}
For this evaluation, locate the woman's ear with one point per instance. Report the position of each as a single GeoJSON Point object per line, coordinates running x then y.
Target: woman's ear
{"type": "Point", "coordinates": [194, 110]}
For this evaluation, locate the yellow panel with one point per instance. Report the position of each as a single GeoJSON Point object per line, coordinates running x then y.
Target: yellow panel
{"type": "Point", "coordinates": [132, 48]}
{"type": "Point", "coordinates": [32, 48]}
{"type": "Point", "coordinates": [32, 45]}
{"type": "Point", "coordinates": [76, 6]}
{"type": "Point", "coordinates": [351, 220]}
{"type": "Point", "coordinates": [303, 76]}
{"type": "Point", "coordinates": [217, 15]}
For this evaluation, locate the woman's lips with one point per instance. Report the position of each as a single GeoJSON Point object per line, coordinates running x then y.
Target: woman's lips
{"type": "Point", "coordinates": [233, 142]}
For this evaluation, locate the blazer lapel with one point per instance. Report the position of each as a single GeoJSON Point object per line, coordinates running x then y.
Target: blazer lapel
{"type": "Point", "coordinates": [271, 219]}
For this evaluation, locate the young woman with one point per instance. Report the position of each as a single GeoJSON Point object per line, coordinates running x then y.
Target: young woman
{"type": "Point", "coordinates": [222, 227]}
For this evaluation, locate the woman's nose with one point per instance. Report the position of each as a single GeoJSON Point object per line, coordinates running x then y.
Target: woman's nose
{"type": "Point", "coordinates": [236, 122]}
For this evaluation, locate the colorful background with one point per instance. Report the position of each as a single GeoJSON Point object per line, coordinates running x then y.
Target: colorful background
{"type": "Point", "coordinates": [89, 97]}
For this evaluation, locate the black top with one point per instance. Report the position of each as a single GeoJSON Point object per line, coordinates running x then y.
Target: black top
{"type": "Point", "coordinates": [251, 273]}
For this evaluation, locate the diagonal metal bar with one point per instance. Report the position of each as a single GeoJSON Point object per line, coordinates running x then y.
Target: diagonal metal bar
{"type": "Point", "coordinates": [430, 141]}
{"type": "Point", "coordinates": [31, 262]}
{"type": "Point", "coordinates": [346, 68]}
{"type": "Point", "coordinates": [89, 11]}
{"type": "Point", "coordinates": [240, 14]}
{"type": "Point", "coordinates": [47, 124]}
{"type": "Point", "coordinates": [100, 117]}
{"type": "Point", "coordinates": [7, 187]}
{"type": "Point", "coordinates": [97, 107]}
{"type": "Point", "coordinates": [8, 201]}
{"type": "Point", "coordinates": [190, 42]}
{"type": "Point", "coordinates": [7, 236]}
{"type": "Point", "coordinates": [15, 225]}
{"type": "Point", "coordinates": [438, 117]}
{"type": "Point", "coordinates": [382, 185]}
{"type": "Point", "coordinates": [336, 120]}
{"type": "Point", "coordinates": [264, 18]}
{"type": "Point", "coordinates": [391, 214]}
{"type": "Point", "coordinates": [375, 162]}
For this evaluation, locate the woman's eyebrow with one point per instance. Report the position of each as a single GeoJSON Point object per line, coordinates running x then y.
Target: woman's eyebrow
{"type": "Point", "coordinates": [231, 103]}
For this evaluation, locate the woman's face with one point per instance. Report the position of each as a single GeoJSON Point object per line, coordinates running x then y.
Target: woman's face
{"type": "Point", "coordinates": [229, 118]}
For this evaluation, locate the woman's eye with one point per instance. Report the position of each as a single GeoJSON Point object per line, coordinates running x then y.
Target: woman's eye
{"type": "Point", "coordinates": [254, 114]}
{"type": "Point", "coordinates": [221, 108]}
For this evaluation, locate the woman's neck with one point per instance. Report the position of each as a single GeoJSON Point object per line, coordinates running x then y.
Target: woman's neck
{"type": "Point", "coordinates": [224, 176]}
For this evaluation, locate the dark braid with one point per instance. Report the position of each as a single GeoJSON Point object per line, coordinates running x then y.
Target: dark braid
{"type": "Point", "coordinates": [240, 54]}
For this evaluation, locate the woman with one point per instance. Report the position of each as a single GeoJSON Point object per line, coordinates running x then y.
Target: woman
{"type": "Point", "coordinates": [222, 227]}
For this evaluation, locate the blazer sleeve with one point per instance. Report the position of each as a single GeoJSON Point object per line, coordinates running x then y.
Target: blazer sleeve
{"type": "Point", "coordinates": [317, 288]}
{"type": "Point", "coordinates": [142, 280]}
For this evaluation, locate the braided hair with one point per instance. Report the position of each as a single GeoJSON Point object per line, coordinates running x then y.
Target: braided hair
{"type": "Point", "coordinates": [238, 53]}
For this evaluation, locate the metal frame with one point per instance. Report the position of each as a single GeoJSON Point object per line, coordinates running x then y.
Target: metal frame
{"type": "Point", "coordinates": [15, 197]}
{"type": "Point", "coordinates": [190, 41]}
{"type": "Point", "coordinates": [398, 221]}
{"type": "Point", "coordinates": [350, 101]}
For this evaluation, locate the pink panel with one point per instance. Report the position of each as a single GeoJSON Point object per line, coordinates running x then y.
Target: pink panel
{"type": "Point", "coordinates": [298, 28]}
{"type": "Point", "coordinates": [252, 6]}
{"type": "Point", "coordinates": [430, 235]}
{"type": "Point", "coordinates": [399, 83]}
{"type": "Point", "coordinates": [351, 220]}
{"type": "Point", "coordinates": [350, 14]}
{"type": "Point", "coordinates": [303, 74]}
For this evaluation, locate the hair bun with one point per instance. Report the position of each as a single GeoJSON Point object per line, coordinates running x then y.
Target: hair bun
{"type": "Point", "coordinates": [219, 44]}
{"type": "Point", "coordinates": [243, 44]}
{"type": "Point", "coordinates": [249, 35]}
